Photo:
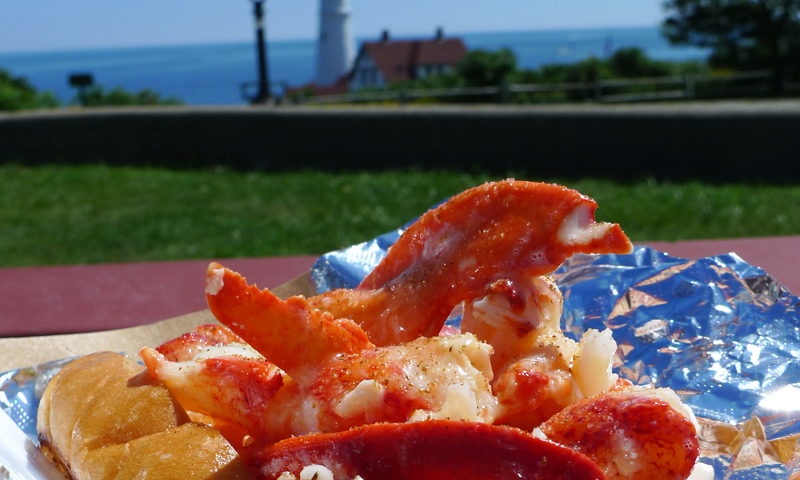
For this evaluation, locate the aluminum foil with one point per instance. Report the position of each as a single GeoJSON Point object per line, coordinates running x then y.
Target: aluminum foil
{"type": "Point", "coordinates": [21, 390]}
{"type": "Point", "coordinates": [720, 332]}
{"type": "Point", "coordinates": [723, 334]}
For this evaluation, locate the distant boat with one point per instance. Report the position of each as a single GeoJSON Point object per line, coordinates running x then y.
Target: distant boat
{"type": "Point", "coordinates": [566, 50]}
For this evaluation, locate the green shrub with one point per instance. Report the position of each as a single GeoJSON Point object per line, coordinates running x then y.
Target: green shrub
{"type": "Point", "coordinates": [16, 93]}
{"type": "Point", "coordinates": [96, 96]}
{"type": "Point", "coordinates": [481, 68]}
{"type": "Point", "coordinates": [633, 63]}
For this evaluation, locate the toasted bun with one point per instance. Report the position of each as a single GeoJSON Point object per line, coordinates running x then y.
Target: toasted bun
{"type": "Point", "coordinates": [103, 416]}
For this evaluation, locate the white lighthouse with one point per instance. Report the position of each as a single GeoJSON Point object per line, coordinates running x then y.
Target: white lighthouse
{"type": "Point", "coordinates": [335, 47]}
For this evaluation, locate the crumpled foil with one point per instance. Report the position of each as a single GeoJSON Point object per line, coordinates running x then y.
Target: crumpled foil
{"type": "Point", "coordinates": [723, 334]}
{"type": "Point", "coordinates": [21, 390]}
{"type": "Point", "coordinates": [720, 332]}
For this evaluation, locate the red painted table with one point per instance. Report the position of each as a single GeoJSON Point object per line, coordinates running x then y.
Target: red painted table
{"type": "Point", "coordinates": [73, 299]}
{"type": "Point", "coordinates": [86, 298]}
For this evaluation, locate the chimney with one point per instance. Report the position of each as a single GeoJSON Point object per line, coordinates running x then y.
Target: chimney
{"type": "Point", "coordinates": [439, 33]}
{"type": "Point", "coordinates": [385, 36]}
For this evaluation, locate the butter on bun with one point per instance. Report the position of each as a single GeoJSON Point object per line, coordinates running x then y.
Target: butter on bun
{"type": "Point", "coordinates": [103, 416]}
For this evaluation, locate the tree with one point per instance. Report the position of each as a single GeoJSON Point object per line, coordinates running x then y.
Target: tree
{"type": "Point", "coordinates": [633, 63]}
{"type": "Point", "coordinates": [16, 93]}
{"type": "Point", "coordinates": [743, 34]}
{"type": "Point", "coordinates": [481, 68]}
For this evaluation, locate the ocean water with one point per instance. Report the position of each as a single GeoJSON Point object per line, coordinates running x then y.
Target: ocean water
{"type": "Point", "coordinates": [212, 74]}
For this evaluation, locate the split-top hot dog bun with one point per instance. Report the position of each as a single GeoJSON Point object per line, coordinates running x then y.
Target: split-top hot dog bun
{"type": "Point", "coordinates": [103, 416]}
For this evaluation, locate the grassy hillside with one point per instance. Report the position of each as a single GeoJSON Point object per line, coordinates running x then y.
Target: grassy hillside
{"type": "Point", "coordinates": [57, 215]}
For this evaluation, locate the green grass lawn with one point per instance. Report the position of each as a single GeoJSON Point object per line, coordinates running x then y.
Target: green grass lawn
{"type": "Point", "coordinates": [58, 215]}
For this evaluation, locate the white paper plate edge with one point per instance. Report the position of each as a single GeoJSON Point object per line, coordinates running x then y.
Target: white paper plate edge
{"type": "Point", "coordinates": [19, 455]}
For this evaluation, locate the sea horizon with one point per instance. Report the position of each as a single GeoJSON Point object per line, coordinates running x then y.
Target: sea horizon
{"type": "Point", "coordinates": [211, 73]}
{"type": "Point", "coordinates": [359, 39]}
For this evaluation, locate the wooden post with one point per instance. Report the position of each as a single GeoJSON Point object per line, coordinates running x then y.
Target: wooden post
{"type": "Point", "coordinates": [688, 80]}
{"type": "Point", "coordinates": [402, 96]}
{"type": "Point", "coordinates": [505, 92]}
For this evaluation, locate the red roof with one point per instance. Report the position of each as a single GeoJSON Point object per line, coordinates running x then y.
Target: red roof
{"type": "Point", "coordinates": [398, 59]}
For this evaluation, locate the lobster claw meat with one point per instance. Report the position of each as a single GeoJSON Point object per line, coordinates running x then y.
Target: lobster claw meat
{"type": "Point", "coordinates": [190, 343]}
{"type": "Point", "coordinates": [289, 333]}
{"type": "Point", "coordinates": [440, 449]}
{"type": "Point", "coordinates": [453, 251]}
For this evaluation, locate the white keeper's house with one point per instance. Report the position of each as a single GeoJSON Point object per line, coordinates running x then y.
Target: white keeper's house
{"type": "Point", "coordinates": [387, 61]}
{"type": "Point", "coordinates": [383, 62]}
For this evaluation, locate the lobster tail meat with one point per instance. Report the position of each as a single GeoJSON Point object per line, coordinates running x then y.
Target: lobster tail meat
{"type": "Point", "coordinates": [440, 449]}
{"type": "Point", "coordinates": [632, 434]}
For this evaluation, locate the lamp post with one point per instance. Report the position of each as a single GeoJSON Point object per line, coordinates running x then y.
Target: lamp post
{"type": "Point", "coordinates": [263, 74]}
{"type": "Point", "coordinates": [81, 81]}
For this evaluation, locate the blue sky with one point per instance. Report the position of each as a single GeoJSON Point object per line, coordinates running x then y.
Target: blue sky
{"type": "Point", "coordinates": [42, 25]}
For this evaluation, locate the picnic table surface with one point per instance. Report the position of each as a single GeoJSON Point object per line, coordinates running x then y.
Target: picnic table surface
{"type": "Point", "coordinates": [86, 298]}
